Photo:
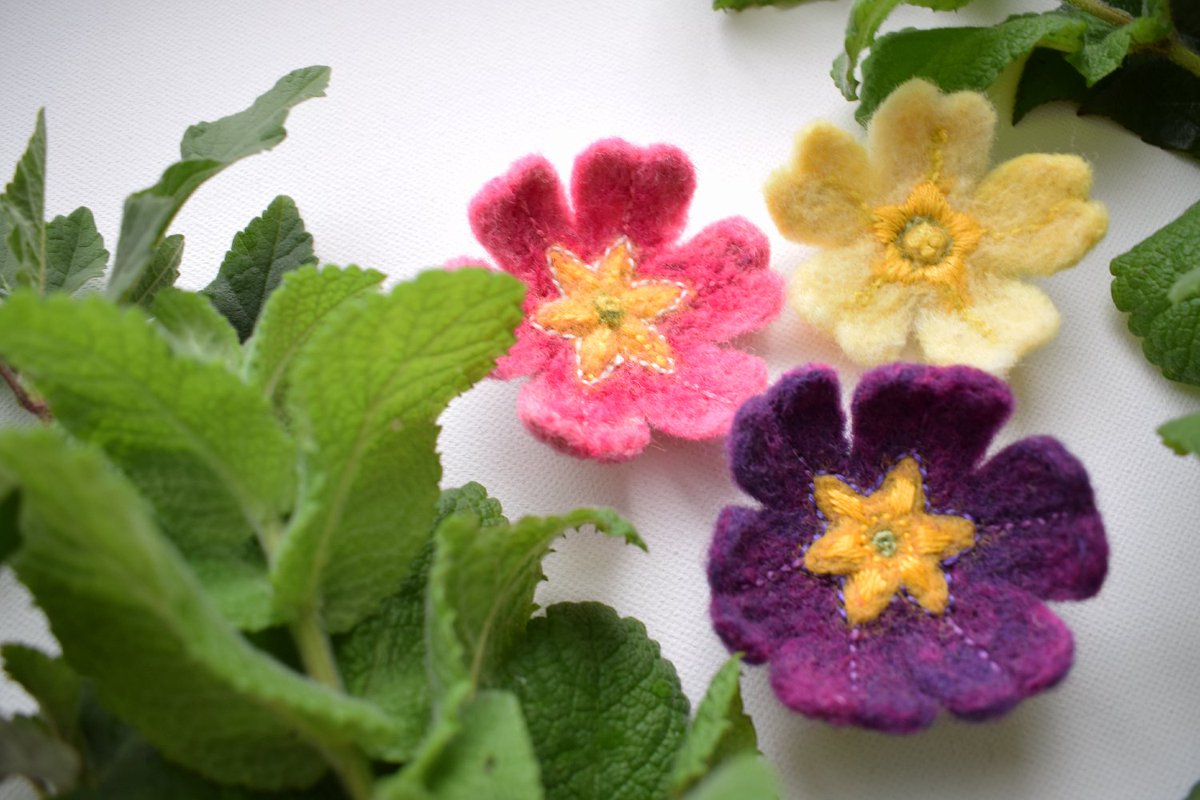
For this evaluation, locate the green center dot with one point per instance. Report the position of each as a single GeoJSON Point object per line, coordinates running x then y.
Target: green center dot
{"type": "Point", "coordinates": [884, 542]}
{"type": "Point", "coordinates": [609, 310]}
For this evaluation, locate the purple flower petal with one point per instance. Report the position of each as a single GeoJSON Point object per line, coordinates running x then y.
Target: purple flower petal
{"type": "Point", "coordinates": [781, 438]}
{"type": "Point", "coordinates": [946, 416]}
{"type": "Point", "coordinates": [1037, 522]}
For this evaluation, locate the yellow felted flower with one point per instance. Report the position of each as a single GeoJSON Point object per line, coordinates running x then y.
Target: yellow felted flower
{"type": "Point", "coordinates": [919, 239]}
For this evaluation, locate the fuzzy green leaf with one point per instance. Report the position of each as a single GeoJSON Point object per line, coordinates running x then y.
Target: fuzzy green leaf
{"type": "Point", "coordinates": [206, 149]}
{"type": "Point", "coordinates": [956, 58]}
{"type": "Point", "coordinates": [161, 273]}
{"type": "Point", "coordinates": [1046, 78]}
{"type": "Point", "coordinates": [29, 750]}
{"type": "Point", "coordinates": [364, 393]}
{"type": "Point", "coordinates": [50, 682]}
{"type": "Point", "coordinates": [605, 710]}
{"type": "Point", "coordinates": [9, 267]}
{"type": "Point", "coordinates": [292, 314]}
{"type": "Point", "coordinates": [720, 731]}
{"type": "Point", "coordinates": [1145, 278]}
{"type": "Point", "coordinates": [1105, 44]}
{"type": "Point", "coordinates": [74, 252]}
{"type": "Point", "coordinates": [744, 777]}
{"type": "Point", "coordinates": [1153, 97]}
{"type": "Point", "coordinates": [482, 582]}
{"type": "Point", "coordinates": [202, 446]}
{"type": "Point", "coordinates": [131, 617]}
{"type": "Point", "coordinates": [272, 245]}
{"type": "Point", "coordinates": [194, 328]}
{"type": "Point", "coordinates": [1182, 435]}
{"type": "Point", "coordinates": [24, 205]}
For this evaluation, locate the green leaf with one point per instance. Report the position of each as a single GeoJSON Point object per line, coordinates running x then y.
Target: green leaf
{"type": "Point", "coordinates": [956, 58]}
{"type": "Point", "coordinates": [9, 266]}
{"type": "Point", "coordinates": [1145, 278]}
{"type": "Point", "coordinates": [131, 617]}
{"type": "Point", "coordinates": [744, 777]}
{"type": "Point", "coordinates": [292, 314]}
{"type": "Point", "coordinates": [1182, 435]}
{"type": "Point", "coordinates": [74, 252]}
{"type": "Point", "coordinates": [604, 708]}
{"type": "Point", "coordinates": [490, 757]}
{"type": "Point", "coordinates": [203, 447]}
{"type": "Point", "coordinates": [161, 273]}
{"type": "Point", "coordinates": [24, 205]}
{"type": "Point", "coordinates": [10, 533]}
{"type": "Point", "coordinates": [1047, 77]}
{"type": "Point", "coordinates": [50, 682]}
{"type": "Point", "coordinates": [482, 582]}
{"type": "Point", "coordinates": [1106, 44]}
{"type": "Point", "coordinates": [194, 328]}
{"type": "Point", "coordinates": [365, 391]}
{"type": "Point", "coordinates": [1194, 794]}
{"type": "Point", "coordinates": [383, 658]}
{"type": "Point", "coordinates": [29, 750]}
{"type": "Point", "coordinates": [865, 18]}
{"type": "Point", "coordinates": [206, 149]}
{"type": "Point", "coordinates": [720, 731]}
{"type": "Point", "coordinates": [271, 246]}
{"type": "Point", "coordinates": [1154, 98]}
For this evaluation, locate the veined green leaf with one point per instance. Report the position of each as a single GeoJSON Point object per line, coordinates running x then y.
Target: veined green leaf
{"type": "Point", "coordinates": [720, 731]}
{"type": "Point", "coordinates": [161, 273]}
{"type": "Point", "coordinates": [49, 681]}
{"type": "Point", "coordinates": [743, 777]}
{"type": "Point", "coordinates": [364, 393]}
{"type": "Point", "coordinates": [206, 149]}
{"type": "Point", "coordinates": [1182, 435]}
{"type": "Point", "coordinates": [604, 708]}
{"type": "Point", "coordinates": [272, 245]}
{"type": "Point", "coordinates": [131, 617]}
{"type": "Point", "coordinates": [1106, 44]}
{"type": "Point", "coordinates": [195, 328]}
{"type": "Point", "coordinates": [9, 266]}
{"type": "Point", "coordinates": [74, 252]}
{"type": "Point", "coordinates": [292, 314]}
{"type": "Point", "coordinates": [24, 205]}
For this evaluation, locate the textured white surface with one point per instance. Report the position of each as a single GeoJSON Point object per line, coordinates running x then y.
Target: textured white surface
{"type": "Point", "coordinates": [430, 100]}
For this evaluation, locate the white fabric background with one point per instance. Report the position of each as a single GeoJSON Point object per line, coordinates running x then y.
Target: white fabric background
{"type": "Point", "coordinates": [429, 100]}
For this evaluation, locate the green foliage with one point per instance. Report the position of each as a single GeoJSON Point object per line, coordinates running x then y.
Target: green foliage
{"type": "Point", "coordinates": [23, 206]}
{"type": "Point", "coordinates": [720, 731]}
{"type": "Point", "coordinates": [1182, 435]}
{"type": "Point", "coordinates": [742, 777]}
{"type": "Point", "coordinates": [194, 328]}
{"type": "Point", "coordinates": [1155, 284]}
{"type": "Point", "coordinates": [206, 149]}
{"type": "Point", "coordinates": [271, 246]}
{"type": "Point", "coordinates": [161, 273]}
{"type": "Point", "coordinates": [75, 252]}
{"type": "Point", "coordinates": [49, 681]}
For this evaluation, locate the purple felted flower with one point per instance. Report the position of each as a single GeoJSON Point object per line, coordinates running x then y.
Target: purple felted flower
{"type": "Point", "coordinates": [889, 576]}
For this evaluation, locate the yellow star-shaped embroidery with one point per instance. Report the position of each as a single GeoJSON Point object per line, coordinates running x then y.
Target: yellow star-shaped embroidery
{"type": "Point", "coordinates": [884, 541]}
{"type": "Point", "coordinates": [608, 313]}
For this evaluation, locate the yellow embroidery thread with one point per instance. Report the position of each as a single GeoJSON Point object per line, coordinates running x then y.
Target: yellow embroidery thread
{"type": "Point", "coordinates": [886, 541]}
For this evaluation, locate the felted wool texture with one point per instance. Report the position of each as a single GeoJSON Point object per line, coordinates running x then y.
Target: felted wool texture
{"type": "Point", "coordinates": [636, 199]}
{"type": "Point", "coordinates": [1027, 217]}
{"type": "Point", "coordinates": [1038, 536]}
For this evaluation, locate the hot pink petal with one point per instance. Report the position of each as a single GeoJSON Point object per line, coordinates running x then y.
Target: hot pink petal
{"type": "Point", "coordinates": [699, 399]}
{"type": "Point", "coordinates": [518, 216]}
{"type": "Point", "coordinates": [600, 421]}
{"type": "Point", "coordinates": [530, 353]}
{"type": "Point", "coordinates": [619, 189]}
{"type": "Point", "coordinates": [732, 290]}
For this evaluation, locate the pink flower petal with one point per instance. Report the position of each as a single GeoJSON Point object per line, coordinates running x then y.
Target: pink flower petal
{"type": "Point", "coordinates": [699, 399]}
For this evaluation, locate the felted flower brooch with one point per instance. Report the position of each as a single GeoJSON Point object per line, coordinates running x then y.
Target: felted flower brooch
{"type": "Point", "coordinates": [889, 576]}
{"type": "Point", "coordinates": [918, 240]}
{"type": "Point", "coordinates": [624, 326]}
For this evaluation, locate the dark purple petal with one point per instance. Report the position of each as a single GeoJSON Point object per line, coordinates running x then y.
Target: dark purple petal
{"type": "Point", "coordinates": [995, 647]}
{"type": "Point", "coordinates": [780, 438]}
{"type": "Point", "coordinates": [761, 594]}
{"type": "Point", "coordinates": [946, 416]}
{"type": "Point", "coordinates": [1037, 522]}
{"type": "Point", "coordinates": [850, 677]}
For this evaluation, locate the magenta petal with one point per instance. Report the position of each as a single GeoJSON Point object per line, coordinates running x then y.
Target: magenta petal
{"type": "Point", "coordinates": [733, 291]}
{"type": "Point", "coordinates": [1037, 522]}
{"type": "Point", "coordinates": [619, 189]}
{"type": "Point", "coordinates": [518, 216]}
{"type": "Point", "coordinates": [997, 646]}
{"type": "Point", "coordinates": [699, 399]}
{"type": "Point", "coordinates": [781, 438]}
{"type": "Point", "coordinates": [761, 595]}
{"type": "Point", "coordinates": [946, 416]}
{"type": "Point", "coordinates": [600, 422]}
{"type": "Point", "coordinates": [529, 354]}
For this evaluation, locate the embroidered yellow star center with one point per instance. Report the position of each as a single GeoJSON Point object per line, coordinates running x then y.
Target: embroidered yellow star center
{"type": "Point", "coordinates": [608, 312]}
{"type": "Point", "coordinates": [927, 241]}
{"type": "Point", "coordinates": [886, 541]}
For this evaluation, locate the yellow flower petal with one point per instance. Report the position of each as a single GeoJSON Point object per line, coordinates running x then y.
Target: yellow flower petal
{"type": "Point", "coordinates": [868, 592]}
{"type": "Point", "coordinates": [569, 316]}
{"type": "Point", "coordinates": [901, 492]}
{"type": "Point", "coordinates": [598, 352]}
{"type": "Point", "coordinates": [616, 267]}
{"type": "Point", "coordinates": [836, 499]}
{"type": "Point", "coordinates": [652, 299]}
{"type": "Point", "coordinates": [643, 345]}
{"type": "Point", "coordinates": [919, 134]}
{"type": "Point", "coordinates": [1006, 320]}
{"type": "Point", "coordinates": [839, 551]}
{"type": "Point", "coordinates": [572, 275]}
{"type": "Point", "coordinates": [925, 581]}
{"type": "Point", "coordinates": [1036, 215]}
{"type": "Point", "coordinates": [821, 197]}
{"type": "Point", "coordinates": [941, 535]}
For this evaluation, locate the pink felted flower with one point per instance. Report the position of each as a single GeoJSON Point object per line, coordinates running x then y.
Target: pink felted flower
{"type": "Point", "coordinates": [624, 326]}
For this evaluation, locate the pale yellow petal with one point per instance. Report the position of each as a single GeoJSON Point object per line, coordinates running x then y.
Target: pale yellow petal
{"type": "Point", "coordinates": [1036, 215]}
{"type": "Point", "coordinates": [597, 353]}
{"type": "Point", "coordinates": [840, 551]}
{"type": "Point", "coordinates": [616, 267]}
{"type": "Point", "coordinates": [821, 197]}
{"type": "Point", "coordinates": [940, 535]}
{"type": "Point", "coordinates": [920, 134]}
{"type": "Point", "coordinates": [570, 316]}
{"type": "Point", "coordinates": [836, 499]}
{"type": "Point", "coordinates": [924, 580]}
{"type": "Point", "coordinates": [652, 299]}
{"type": "Point", "coordinates": [868, 592]}
{"type": "Point", "coordinates": [1006, 319]}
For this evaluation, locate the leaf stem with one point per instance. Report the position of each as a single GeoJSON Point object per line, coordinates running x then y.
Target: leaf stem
{"type": "Point", "coordinates": [1183, 57]}
{"type": "Point", "coordinates": [23, 398]}
{"type": "Point", "coordinates": [1102, 10]}
{"type": "Point", "coordinates": [1170, 47]}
